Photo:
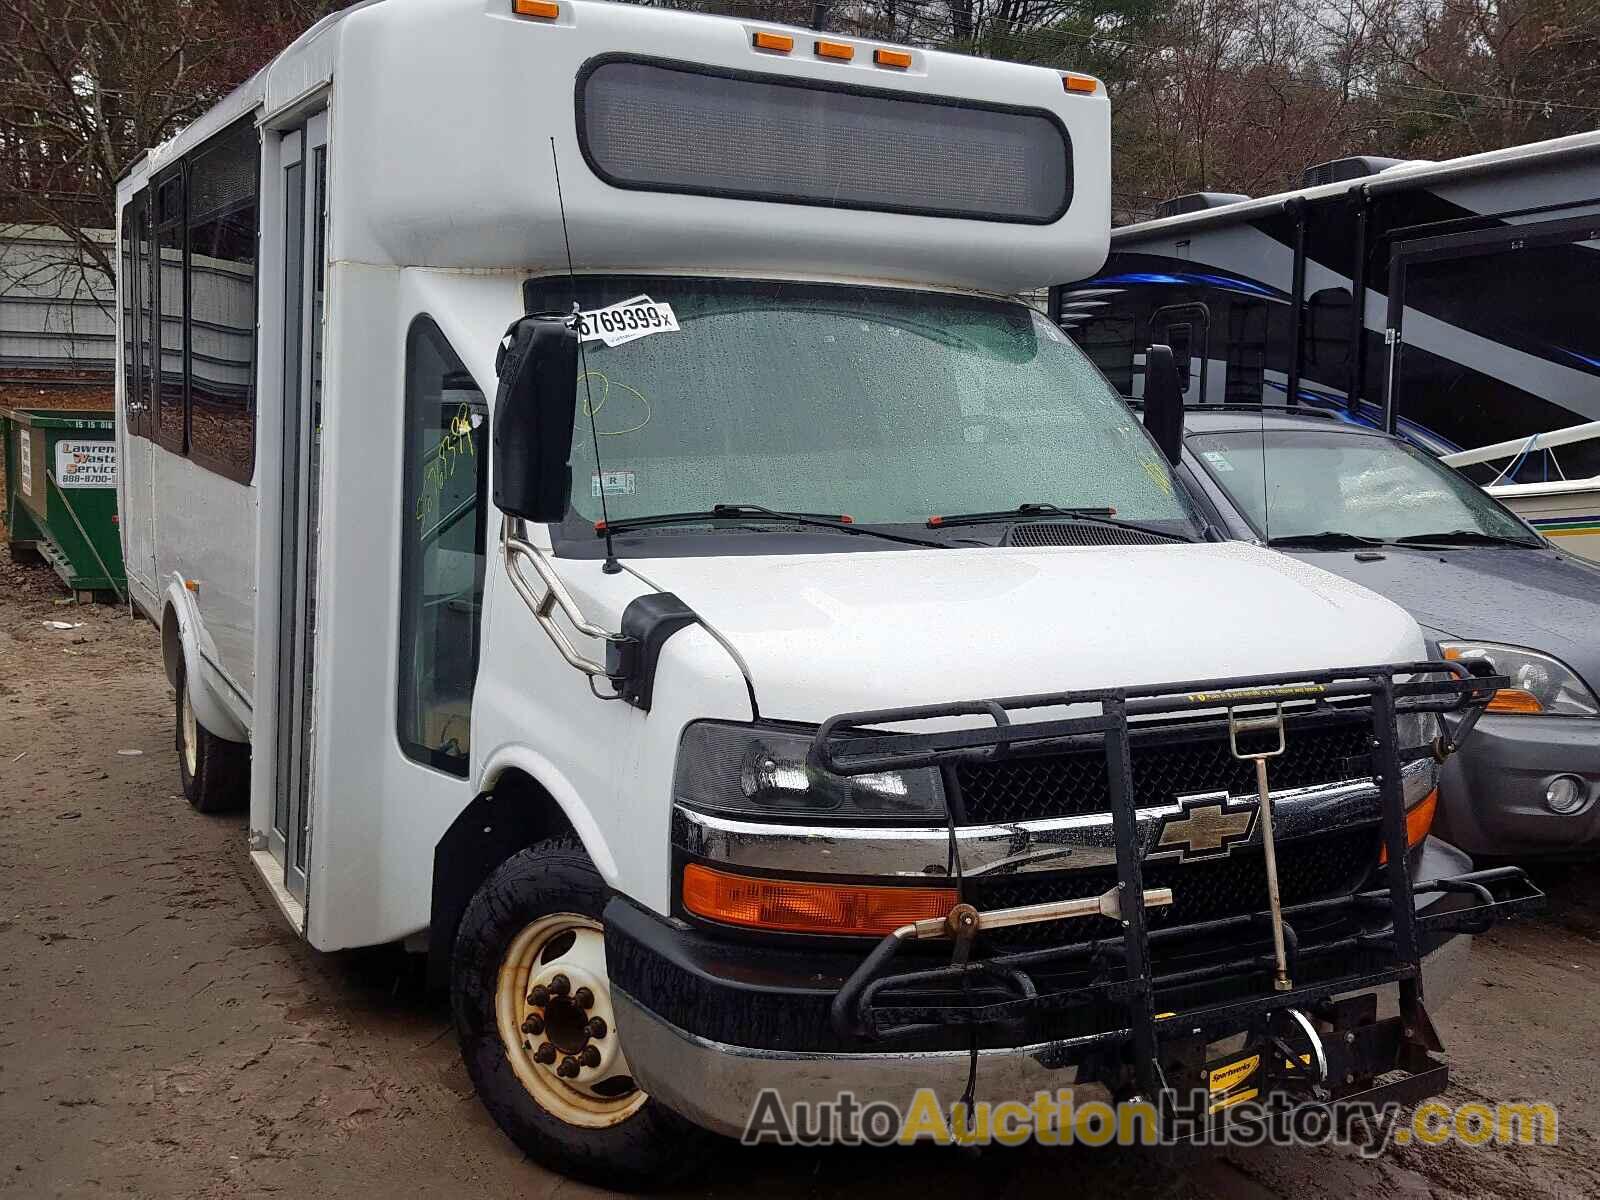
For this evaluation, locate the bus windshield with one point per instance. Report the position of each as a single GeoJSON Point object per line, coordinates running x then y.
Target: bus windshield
{"type": "Point", "coordinates": [888, 405]}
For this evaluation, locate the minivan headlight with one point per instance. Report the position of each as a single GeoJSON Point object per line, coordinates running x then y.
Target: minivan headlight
{"type": "Point", "coordinates": [1539, 682]}
{"type": "Point", "coordinates": [756, 770]}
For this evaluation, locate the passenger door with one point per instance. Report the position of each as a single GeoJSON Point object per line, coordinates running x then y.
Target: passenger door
{"type": "Point", "coordinates": [303, 162]}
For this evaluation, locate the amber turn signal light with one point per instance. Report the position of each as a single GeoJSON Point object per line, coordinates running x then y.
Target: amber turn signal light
{"type": "Point", "coordinates": [804, 906]}
{"type": "Point", "coordinates": [1512, 700]}
{"type": "Point", "coordinates": [1419, 819]}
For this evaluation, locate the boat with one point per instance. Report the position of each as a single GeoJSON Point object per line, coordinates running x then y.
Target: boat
{"type": "Point", "coordinates": [1567, 511]}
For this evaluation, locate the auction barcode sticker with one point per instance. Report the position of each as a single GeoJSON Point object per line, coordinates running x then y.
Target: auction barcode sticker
{"type": "Point", "coordinates": [627, 321]}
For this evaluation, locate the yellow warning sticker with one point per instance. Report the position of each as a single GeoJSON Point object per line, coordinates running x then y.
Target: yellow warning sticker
{"type": "Point", "coordinates": [1230, 1100]}
{"type": "Point", "coordinates": [1226, 1078]}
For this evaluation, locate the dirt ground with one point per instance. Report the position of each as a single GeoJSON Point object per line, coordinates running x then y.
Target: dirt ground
{"type": "Point", "coordinates": [163, 1033]}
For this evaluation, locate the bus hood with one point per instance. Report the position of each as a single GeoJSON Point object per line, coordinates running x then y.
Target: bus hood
{"type": "Point", "coordinates": [825, 634]}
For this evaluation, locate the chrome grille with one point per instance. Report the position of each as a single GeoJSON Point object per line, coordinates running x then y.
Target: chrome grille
{"type": "Point", "coordinates": [1308, 869]}
{"type": "Point", "coordinates": [1064, 785]}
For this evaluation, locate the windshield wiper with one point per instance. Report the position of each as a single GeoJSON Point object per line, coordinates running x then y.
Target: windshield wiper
{"type": "Point", "coordinates": [1475, 537]}
{"type": "Point", "coordinates": [745, 512]}
{"type": "Point", "coordinates": [1024, 512]}
{"type": "Point", "coordinates": [1328, 538]}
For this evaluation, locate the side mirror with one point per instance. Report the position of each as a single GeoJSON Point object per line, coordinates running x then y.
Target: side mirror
{"type": "Point", "coordinates": [533, 415]}
{"type": "Point", "coordinates": [1163, 402]}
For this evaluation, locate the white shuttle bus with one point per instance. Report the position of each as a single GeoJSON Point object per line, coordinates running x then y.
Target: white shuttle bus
{"type": "Point", "coordinates": [610, 523]}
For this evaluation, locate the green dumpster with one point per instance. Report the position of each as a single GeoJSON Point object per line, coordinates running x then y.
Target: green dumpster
{"type": "Point", "coordinates": [61, 494]}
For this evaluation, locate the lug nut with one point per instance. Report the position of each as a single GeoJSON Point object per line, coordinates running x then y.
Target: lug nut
{"type": "Point", "coordinates": [596, 1028]}
{"type": "Point", "coordinates": [546, 1053]}
{"type": "Point", "coordinates": [590, 1056]}
{"type": "Point", "coordinates": [534, 1024]}
{"type": "Point", "coordinates": [584, 997]}
{"type": "Point", "coordinates": [560, 985]}
{"type": "Point", "coordinates": [540, 996]}
{"type": "Point", "coordinates": [569, 1067]}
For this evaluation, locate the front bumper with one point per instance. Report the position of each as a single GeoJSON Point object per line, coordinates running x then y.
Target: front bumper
{"type": "Point", "coordinates": [709, 1024]}
{"type": "Point", "coordinates": [717, 1085]}
{"type": "Point", "coordinates": [1491, 794]}
{"type": "Point", "coordinates": [1101, 987]}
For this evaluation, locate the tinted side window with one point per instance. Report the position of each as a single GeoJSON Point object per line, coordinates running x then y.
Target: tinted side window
{"type": "Point", "coordinates": [222, 301]}
{"type": "Point", "coordinates": [442, 534]}
{"type": "Point", "coordinates": [169, 417]}
{"type": "Point", "coordinates": [1328, 329]}
{"type": "Point", "coordinates": [1247, 352]}
{"type": "Point", "coordinates": [128, 319]}
{"type": "Point", "coordinates": [1108, 341]}
{"type": "Point", "coordinates": [144, 267]}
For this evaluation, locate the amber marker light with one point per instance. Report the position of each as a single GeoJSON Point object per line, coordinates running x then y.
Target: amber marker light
{"type": "Point", "coordinates": [1419, 819]}
{"type": "Point", "coordinates": [1081, 85]}
{"type": "Point", "coordinates": [1512, 700]}
{"type": "Point", "coordinates": [838, 51]}
{"type": "Point", "coordinates": [544, 10]}
{"type": "Point", "coordinates": [777, 43]}
{"type": "Point", "coordinates": [898, 59]}
{"type": "Point", "coordinates": [805, 906]}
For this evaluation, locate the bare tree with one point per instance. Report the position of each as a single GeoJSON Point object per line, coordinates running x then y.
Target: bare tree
{"type": "Point", "coordinates": [86, 87]}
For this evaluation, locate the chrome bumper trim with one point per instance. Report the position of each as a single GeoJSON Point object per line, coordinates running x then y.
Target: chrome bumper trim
{"type": "Point", "coordinates": [1055, 844]}
{"type": "Point", "coordinates": [716, 1085]}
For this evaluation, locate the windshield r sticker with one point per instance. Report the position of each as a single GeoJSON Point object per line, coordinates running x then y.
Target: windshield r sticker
{"type": "Point", "coordinates": [614, 483]}
{"type": "Point", "coordinates": [1218, 459]}
{"type": "Point", "coordinates": [627, 321]}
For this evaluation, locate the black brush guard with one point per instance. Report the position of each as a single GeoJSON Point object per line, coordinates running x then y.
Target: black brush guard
{"type": "Point", "coordinates": [878, 1004]}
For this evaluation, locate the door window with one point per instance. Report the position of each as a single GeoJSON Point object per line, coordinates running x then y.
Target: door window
{"type": "Point", "coordinates": [442, 550]}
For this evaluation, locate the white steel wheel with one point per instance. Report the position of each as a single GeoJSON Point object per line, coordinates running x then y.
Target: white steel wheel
{"type": "Point", "coordinates": [215, 773]}
{"type": "Point", "coordinates": [529, 972]}
{"type": "Point", "coordinates": [555, 1018]}
{"type": "Point", "coordinates": [189, 733]}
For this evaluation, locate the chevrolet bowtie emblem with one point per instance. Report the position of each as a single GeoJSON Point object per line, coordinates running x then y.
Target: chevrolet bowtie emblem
{"type": "Point", "coordinates": [1208, 826]}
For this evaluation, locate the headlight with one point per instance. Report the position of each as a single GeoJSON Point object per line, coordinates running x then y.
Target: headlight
{"type": "Point", "coordinates": [1539, 683]}
{"type": "Point", "coordinates": [754, 770]}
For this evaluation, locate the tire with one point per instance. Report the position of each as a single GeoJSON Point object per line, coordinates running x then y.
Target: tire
{"type": "Point", "coordinates": [214, 771]}
{"type": "Point", "coordinates": [513, 933]}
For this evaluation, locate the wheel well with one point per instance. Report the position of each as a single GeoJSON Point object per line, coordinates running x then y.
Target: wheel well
{"type": "Point", "coordinates": [171, 644]}
{"type": "Point", "coordinates": [497, 824]}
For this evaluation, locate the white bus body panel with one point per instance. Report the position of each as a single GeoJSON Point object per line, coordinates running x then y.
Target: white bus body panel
{"type": "Point", "coordinates": [461, 175]}
{"type": "Point", "coordinates": [441, 201]}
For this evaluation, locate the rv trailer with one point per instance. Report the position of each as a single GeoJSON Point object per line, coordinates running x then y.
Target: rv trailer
{"type": "Point", "coordinates": [1478, 281]}
{"type": "Point", "coordinates": [612, 525]}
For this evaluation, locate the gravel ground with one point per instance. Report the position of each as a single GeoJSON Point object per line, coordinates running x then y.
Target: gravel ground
{"type": "Point", "coordinates": [162, 1033]}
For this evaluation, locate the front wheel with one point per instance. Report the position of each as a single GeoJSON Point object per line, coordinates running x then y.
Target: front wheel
{"type": "Point", "coordinates": [533, 1013]}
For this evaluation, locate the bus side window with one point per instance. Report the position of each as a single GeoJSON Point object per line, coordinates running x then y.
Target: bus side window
{"type": "Point", "coordinates": [1328, 314]}
{"type": "Point", "coordinates": [442, 550]}
{"type": "Point", "coordinates": [221, 280]}
{"type": "Point", "coordinates": [1108, 341]}
{"type": "Point", "coordinates": [1247, 352]}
